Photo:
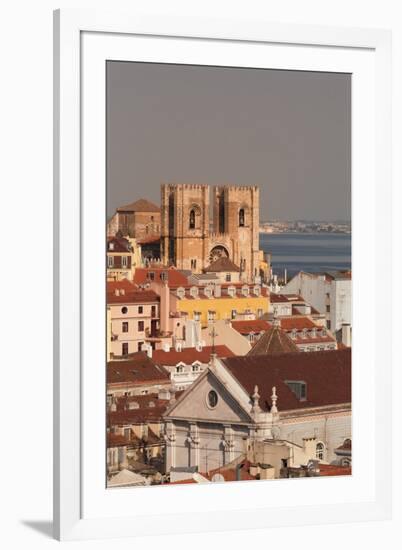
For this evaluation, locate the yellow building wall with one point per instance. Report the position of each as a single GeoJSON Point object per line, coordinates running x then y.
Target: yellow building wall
{"type": "Point", "coordinates": [222, 306]}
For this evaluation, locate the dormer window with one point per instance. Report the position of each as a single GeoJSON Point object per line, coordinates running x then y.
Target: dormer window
{"type": "Point", "coordinates": [194, 292]}
{"type": "Point", "coordinates": [299, 388]}
{"type": "Point", "coordinates": [245, 290]}
{"type": "Point", "coordinates": [180, 292]}
{"type": "Point", "coordinates": [208, 292]}
{"type": "Point", "coordinates": [257, 290]}
{"type": "Point", "coordinates": [241, 218]}
{"type": "Point", "coordinates": [110, 261]}
{"type": "Point", "coordinates": [232, 291]}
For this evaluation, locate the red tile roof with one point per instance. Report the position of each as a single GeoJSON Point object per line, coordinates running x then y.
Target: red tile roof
{"type": "Point", "coordinates": [247, 327]}
{"type": "Point", "coordinates": [115, 440]}
{"type": "Point", "coordinates": [334, 470]}
{"type": "Point", "coordinates": [136, 416]}
{"type": "Point", "coordinates": [222, 264]}
{"type": "Point", "coordinates": [120, 244]}
{"type": "Point", "coordinates": [130, 295]}
{"type": "Point", "coordinates": [138, 369]}
{"type": "Point", "coordinates": [273, 341]}
{"type": "Point", "coordinates": [229, 472]}
{"type": "Point", "coordinates": [141, 205]}
{"type": "Point", "coordinates": [174, 277]}
{"type": "Point", "coordinates": [189, 355]}
{"type": "Point", "coordinates": [298, 323]}
{"type": "Point", "coordinates": [327, 375]}
{"type": "Point", "coordinates": [285, 298]}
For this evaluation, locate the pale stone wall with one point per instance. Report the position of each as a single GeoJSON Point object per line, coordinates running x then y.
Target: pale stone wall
{"type": "Point", "coordinates": [331, 429]}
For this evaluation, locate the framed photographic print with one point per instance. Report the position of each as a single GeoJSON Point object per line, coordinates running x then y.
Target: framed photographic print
{"type": "Point", "coordinates": [220, 186]}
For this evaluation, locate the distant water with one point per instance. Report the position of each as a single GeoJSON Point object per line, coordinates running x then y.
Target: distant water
{"type": "Point", "coordinates": [307, 252]}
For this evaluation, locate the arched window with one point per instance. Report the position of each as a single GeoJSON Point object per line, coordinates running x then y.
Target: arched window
{"type": "Point", "coordinates": [192, 219]}
{"type": "Point", "coordinates": [320, 450]}
{"type": "Point", "coordinates": [241, 217]}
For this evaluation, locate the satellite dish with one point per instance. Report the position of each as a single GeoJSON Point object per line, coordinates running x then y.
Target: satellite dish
{"type": "Point", "coordinates": [217, 478]}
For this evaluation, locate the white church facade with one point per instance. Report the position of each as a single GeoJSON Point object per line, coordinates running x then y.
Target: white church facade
{"type": "Point", "coordinates": [281, 411]}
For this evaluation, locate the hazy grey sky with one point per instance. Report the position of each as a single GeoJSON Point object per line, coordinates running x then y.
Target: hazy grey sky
{"type": "Point", "coordinates": [286, 131]}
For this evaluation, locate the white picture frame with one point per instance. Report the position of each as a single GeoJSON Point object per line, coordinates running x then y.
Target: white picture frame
{"type": "Point", "coordinates": [83, 40]}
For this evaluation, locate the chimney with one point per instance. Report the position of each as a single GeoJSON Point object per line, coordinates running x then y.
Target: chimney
{"type": "Point", "coordinates": [148, 349]}
{"type": "Point", "coordinates": [164, 393]}
{"type": "Point", "coordinates": [164, 307]}
{"type": "Point", "coordinates": [178, 346]}
{"type": "Point", "coordinates": [347, 334]}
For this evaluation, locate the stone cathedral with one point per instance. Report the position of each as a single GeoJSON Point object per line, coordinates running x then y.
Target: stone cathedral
{"type": "Point", "coordinates": [191, 240]}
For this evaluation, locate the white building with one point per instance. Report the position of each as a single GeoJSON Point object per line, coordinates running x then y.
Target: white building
{"type": "Point", "coordinates": [329, 293]}
{"type": "Point", "coordinates": [239, 401]}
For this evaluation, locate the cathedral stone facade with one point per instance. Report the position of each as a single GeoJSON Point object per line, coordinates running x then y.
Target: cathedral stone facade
{"type": "Point", "coordinates": [191, 240]}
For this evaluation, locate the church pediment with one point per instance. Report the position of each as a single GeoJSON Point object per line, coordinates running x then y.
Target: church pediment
{"type": "Point", "coordinates": [208, 399]}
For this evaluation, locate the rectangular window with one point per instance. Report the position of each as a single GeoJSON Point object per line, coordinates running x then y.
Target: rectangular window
{"type": "Point", "coordinates": [234, 314]}
{"type": "Point", "coordinates": [228, 277]}
{"type": "Point", "coordinates": [153, 311]}
{"type": "Point", "coordinates": [124, 261]}
{"type": "Point", "coordinates": [329, 325]}
{"type": "Point", "coordinates": [140, 326]}
{"type": "Point", "coordinates": [299, 389]}
{"type": "Point", "coordinates": [124, 348]}
{"type": "Point", "coordinates": [260, 313]}
{"type": "Point", "coordinates": [140, 309]}
{"type": "Point", "coordinates": [328, 308]}
{"type": "Point", "coordinates": [110, 261]}
{"type": "Point", "coordinates": [140, 344]}
{"type": "Point", "coordinates": [124, 327]}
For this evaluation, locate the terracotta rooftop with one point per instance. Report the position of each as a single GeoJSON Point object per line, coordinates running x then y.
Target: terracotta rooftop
{"type": "Point", "coordinates": [141, 205]}
{"type": "Point", "coordinates": [136, 416]}
{"type": "Point", "coordinates": [125, 292]}
{"type": "Point", "coordinates": [229, 472]}
{"type": "Point", "coordinates": [247, 327]}
{"type": "Point", "coordinates": [273, 341]}
{"type": "Point", "coordinates": [333, 470]}
{"type": "Point", "coordinates": [286, 298]}
{"type": "Point", "coordinates": [189, 355]}
{"type": "Point", "coordinates": [297, 323]}
{"type": "Point", "coordinates": [139, 368]}
{"type": "Point", "coordinates": [145, 275]}
{"type": "Point", "coordinates": [327, 375]}
{"type": "Point", "coordinates": [118, 244]}
{"type": "Point", "coordinates": [222, 264]}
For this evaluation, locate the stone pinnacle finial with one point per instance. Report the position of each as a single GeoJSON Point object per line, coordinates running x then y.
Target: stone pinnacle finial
{"type": "Point", "coordinates": [274, 399]}
{"type": "Point", "coordinates": [256, 399]}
